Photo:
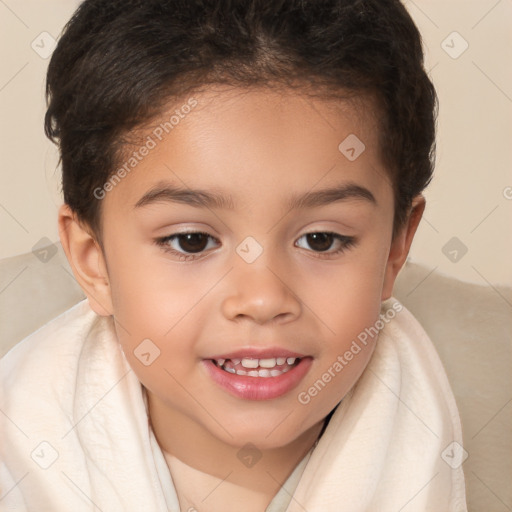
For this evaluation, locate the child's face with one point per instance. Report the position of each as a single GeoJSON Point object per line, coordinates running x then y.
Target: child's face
{"type": "Point", "coordinates": [260, 286]}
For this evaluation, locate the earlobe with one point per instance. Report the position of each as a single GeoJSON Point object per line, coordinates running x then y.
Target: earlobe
{"type": "Point", "coordinates": [86, 260]}
{"type": "Point", "coordinates": [401, 245]}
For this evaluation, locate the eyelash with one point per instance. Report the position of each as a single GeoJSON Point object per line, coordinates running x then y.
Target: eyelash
{"type": "Point", "coordinates": [347, 242]}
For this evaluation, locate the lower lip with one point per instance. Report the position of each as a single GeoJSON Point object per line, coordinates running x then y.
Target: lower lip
{"type": "Point", "coordinates": [258, 388]}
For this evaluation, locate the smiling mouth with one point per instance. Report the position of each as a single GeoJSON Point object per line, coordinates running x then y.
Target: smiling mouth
{"type": "Point", "coordinates": [252, 367]}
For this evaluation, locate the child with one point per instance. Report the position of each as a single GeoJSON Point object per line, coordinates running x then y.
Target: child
{"type": "Point", "coordinates": [242, 183]}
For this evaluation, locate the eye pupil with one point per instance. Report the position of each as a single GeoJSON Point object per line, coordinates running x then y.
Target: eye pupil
{"type": "Point", "coordinates": [320, 241]}
{"type": "Point", "coordinates": [193, 242]}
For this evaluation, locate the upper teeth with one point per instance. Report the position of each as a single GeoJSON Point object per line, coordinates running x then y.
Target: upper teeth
{"type": "Point", "coordinates": [249, 362]}
{"type": "Point", "coordinates": [271, 362]}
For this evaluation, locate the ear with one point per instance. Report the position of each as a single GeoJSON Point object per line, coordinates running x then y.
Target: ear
{"type": "Point", "coordinates": [86, 260]}
{"type": "Point", "coordinates": [401, 244]}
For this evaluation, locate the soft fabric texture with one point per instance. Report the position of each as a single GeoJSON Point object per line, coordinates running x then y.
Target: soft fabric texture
{"type": "Point", "coordinates": [75, 433]}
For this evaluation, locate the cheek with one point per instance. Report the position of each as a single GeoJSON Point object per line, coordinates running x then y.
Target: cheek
{"type": "Point", "coordinates": [347, 313]}
{"type": "Point", "coordinates": [150, 293]}
{"type": "Point", "coordinates": [160, 302]}
{"type": "Point", "coordinates": [346, 296]}
{"type": "Point", "coordinates": [158, 334]}
{"type": "Point", "coordinates": [347, 303]}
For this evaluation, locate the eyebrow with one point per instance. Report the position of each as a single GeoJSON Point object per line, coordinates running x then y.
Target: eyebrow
{"type": "Point", "coordinates": [208, 199]}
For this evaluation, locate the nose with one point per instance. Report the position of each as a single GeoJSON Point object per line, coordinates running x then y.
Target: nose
{"type": "Point", "coordinates": [260, 294]}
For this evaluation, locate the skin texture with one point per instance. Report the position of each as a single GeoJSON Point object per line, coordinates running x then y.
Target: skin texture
{"type": "Point", "coordinates": [257, 147]}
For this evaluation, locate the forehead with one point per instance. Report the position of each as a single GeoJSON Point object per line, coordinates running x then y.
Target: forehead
{"type": "Point", "coordinates": [239, 139]}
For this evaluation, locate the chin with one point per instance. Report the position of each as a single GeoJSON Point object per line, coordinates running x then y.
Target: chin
{"type": "Point", "coordinates": [276, 432]}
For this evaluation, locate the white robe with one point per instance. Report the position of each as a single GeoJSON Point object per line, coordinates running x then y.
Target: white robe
{"type": "Point", "coordinates": [75, 436]}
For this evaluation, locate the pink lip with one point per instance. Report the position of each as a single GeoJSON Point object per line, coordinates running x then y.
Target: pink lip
{"type": "Point", "coordinates": [258, 388]}
{"type": "Point", "coordinates": [259, 353]}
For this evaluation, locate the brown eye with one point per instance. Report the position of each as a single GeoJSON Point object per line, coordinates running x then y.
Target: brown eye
{"type": "Point", "coordinates": [192, 242]}
{"type": "Point", "coordinates": [187, 243]}
{"type": "Point", "coordinates": [320, 241]}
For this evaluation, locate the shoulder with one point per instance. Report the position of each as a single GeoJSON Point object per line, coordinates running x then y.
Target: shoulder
{"type": "Point", "coordinates": [55, 345]}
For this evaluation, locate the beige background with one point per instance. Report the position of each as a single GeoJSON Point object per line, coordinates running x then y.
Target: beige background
{"type": "Point", "coordinates": [470, 198]}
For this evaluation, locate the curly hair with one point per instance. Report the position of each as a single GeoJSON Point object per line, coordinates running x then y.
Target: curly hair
{"type": "Point", "coordinates": [118, 63]}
